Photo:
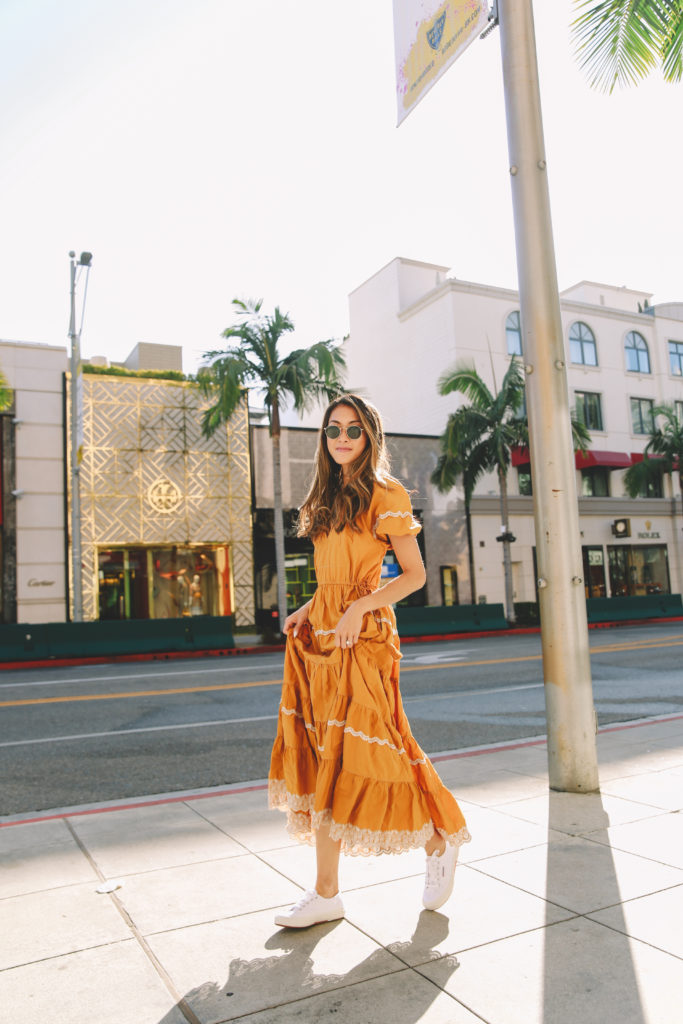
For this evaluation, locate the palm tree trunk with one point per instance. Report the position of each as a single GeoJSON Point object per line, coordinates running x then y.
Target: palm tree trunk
{"type": "Point", "coordinates": [470, 552]}
{"type": "Point", "coordinates": [278, 518]}
{"type": "Point", "coordinates": [507, 558]}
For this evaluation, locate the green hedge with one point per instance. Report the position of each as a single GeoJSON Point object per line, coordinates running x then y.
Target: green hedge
{"type": "Point", "coordinates": [37, 641]}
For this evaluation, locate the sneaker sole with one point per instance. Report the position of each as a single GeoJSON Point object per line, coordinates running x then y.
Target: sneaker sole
{"type": "Point", "coordinates": [282, 922]}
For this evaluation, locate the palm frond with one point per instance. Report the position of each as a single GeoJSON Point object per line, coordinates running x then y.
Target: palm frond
{"type": "Point", "coordinates": [640, 474]}
{"type": "Point", "coordinates": [581, 438]}
{"type": "Point", "coordinates": [672, 50]}
{"type": "Point", "coordinates": [464, 379]}
{"type": "Point", "coordinates": [619, 42]}
{"type": "Point", "coordinates": [5, 393]}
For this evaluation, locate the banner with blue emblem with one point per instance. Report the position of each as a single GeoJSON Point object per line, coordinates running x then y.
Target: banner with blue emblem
{"type": "Point", "coordinates": [429, 35]}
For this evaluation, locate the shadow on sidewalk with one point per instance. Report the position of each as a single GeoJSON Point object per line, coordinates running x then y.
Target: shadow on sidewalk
{"type": "Point", "coordinates": [289, 975]}
{"type": "Point", "coordinates": [588, 971]}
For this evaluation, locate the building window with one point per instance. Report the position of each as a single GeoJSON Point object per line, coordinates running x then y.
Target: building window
{"type": "Point", "coordinates": [642, 420]}
{"type": "Point", "coordinates": [513, 334]}
{"type": "Point", "coordinates": [652, 488]}
{"type": "Point", "coordinates": [637, 354]}
{"type": "Point", "coordinates": [595, 482]}
{"type": "Point", "coordinates": [589, 409]}
{"type": "Point", "coordinates": [676, 358]}
{"type": "Point", "coordinates": [449, 584]}
{"type": "Point", "coordinates": [635, 570]}
{"type": "Point", "coordinates": [524, 481]}
{"type": "Point", "coordinates": [678, 406]}
{"type": "Point", "coordinates": [582, 347]}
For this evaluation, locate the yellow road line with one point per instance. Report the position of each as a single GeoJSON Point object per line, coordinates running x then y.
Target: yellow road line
{"type": "Point", "coordinates": [137, 693]}
{"type": "Point", "coordinates": [614, 648]}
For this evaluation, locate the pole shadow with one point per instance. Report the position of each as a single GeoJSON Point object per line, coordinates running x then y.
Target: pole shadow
{"type": "Point", "coordinates": [588, 970]}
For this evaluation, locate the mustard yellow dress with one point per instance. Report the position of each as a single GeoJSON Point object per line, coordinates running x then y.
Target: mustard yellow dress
{"type": "Point", "coordinates": [344, 754]}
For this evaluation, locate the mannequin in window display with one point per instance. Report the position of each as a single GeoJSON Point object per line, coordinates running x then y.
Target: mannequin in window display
{"type": "Point", "coordinates": [196, 603]}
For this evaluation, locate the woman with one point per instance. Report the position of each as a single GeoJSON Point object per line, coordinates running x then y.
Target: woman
{"type": "Point", "coordinates": [345, 766]}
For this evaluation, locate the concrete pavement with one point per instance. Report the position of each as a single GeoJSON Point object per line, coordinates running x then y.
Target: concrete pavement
{"type": "Point", "coordinates": [566, 908]}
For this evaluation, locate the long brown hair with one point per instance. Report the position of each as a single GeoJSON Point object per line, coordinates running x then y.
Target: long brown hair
{"type": "Point", "coordinates": [331, 503]}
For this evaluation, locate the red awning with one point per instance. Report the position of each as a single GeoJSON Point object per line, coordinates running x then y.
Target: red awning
{"type": "Point", "coordinates": [611, 460]}
{"type": "Point", "coordinates": [653, 456]}
{"type": "Point", "coordinates": [520, 457]}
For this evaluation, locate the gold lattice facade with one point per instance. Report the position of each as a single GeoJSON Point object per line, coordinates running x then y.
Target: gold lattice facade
{"type": "Point", "coordinates": [165, 512]}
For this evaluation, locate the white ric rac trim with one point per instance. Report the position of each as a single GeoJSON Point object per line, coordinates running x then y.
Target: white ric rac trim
{"type": "Point", "coordinates": [324, 632]}
{"type": "Point", "coordinates": [382, 743]}
{"type": "Point", "coordinates": [394, 515]}
{"type": "Point", "coordinates": [293, 711]}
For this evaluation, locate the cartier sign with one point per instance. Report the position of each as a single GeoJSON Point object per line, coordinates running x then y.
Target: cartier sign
{"type": "Point", "coordinates": [33, 582]}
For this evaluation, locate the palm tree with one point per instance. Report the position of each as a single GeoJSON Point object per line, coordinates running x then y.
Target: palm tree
{"type": "Point", "coordinates": [303, 377]}
{"type": "Point", "coordinates": [478, 438]}
{"type": "Point", "coordinates": [461, 457]}
{"type": "Point", "coordinates": [5, 393]}
{"type": "Point", "coordinates": [621, 41]}
{"type": "Point", "coordinates": [663, 454]}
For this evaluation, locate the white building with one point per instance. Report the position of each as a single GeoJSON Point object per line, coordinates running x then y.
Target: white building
{"type": "Point", "coordinates": [33, 550]}
{"type": "Point", "coordinates": [411, 321]}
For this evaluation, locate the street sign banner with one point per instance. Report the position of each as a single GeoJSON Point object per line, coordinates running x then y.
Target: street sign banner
{"type": "Point", "coordinates": [428, 36]}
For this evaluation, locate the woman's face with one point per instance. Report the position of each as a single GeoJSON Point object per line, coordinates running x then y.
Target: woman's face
{"type": "Point", "coordinates": [343, 450]}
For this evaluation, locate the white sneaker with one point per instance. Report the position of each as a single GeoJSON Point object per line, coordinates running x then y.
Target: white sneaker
{"type": "Point", "coordinates": [311, 909]}
{"type": "Point", "coordinates": [439, 877]}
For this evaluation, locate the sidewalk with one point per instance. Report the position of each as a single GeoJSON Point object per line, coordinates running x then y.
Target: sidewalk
{"type": "Point", "coordinates": [565, 909]}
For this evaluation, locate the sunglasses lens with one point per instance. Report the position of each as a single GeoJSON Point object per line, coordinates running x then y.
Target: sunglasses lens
{"type": "Point", "coordinates": [353, 433]}
{"type": "Point", "coordinates": [332, 432]}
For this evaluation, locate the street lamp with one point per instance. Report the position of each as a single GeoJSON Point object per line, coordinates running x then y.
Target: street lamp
{"type": "Point", "coordinates": [76, 267]}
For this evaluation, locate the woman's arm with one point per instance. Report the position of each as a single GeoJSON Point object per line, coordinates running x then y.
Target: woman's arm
{"type": "Point", "coordinates": [296, 619]}
{"type": "Point", "coordinates": [412, 577]}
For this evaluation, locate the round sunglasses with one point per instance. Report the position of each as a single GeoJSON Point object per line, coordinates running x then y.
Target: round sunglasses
{"type": "Point", "coordinates": [353, 432]}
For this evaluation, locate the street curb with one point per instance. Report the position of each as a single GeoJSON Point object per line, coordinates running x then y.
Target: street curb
{"type": "Point", "coordinates": [231, 652]}
{"type": "Point", "coordinates": [237, 788]}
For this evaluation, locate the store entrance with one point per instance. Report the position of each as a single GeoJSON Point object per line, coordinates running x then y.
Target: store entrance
{"type": "Point", "coordinates": [124, 589]}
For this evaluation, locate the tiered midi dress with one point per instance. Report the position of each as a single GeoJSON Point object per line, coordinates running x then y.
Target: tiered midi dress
{"type": "Point", "coordinates": [344, 754]}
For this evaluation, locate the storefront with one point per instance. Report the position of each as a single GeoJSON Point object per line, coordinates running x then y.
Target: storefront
{"type": "Point", "coordinates": [165, 512]}
{"type": "Point", "coordinates": [630, 570]}
{"type": "Point", "coordinates": [164, 582]}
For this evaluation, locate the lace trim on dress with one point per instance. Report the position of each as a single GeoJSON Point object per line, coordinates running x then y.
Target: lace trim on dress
{"type": "Point", "coordinates": [364, 842]}
{"type": "Point", "coordinates": [293, 711]}
{"type": "Point", "coordinates": [394, 515]}
{"type": "Point", "coordinates": [324, 632]}
{"type": "Point", "coordinates": [382, 743]}
{"type": "Point", "coordinates": [355, 732]}
{"type": "Point", "coordinates": [280, 798]}
{"type": "Point", "coordinates": [303, 821]}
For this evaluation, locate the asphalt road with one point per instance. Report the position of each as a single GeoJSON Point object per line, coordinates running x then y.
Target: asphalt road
{"type": "Point", "coordinates": [94, 733]}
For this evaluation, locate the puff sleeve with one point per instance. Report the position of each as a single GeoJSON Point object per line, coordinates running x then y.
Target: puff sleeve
{"type": "Point", "coordinates": [392, 513]}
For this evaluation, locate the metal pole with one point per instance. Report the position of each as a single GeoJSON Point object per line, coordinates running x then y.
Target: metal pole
{"type": "Point", "coordinates": [74, 366]}
{"type": "Point", "coordinates": [572, 756]}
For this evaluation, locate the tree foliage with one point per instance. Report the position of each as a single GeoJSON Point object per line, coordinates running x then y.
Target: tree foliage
{"type": "Point", "coordinates": [6, 394]}
{"type": "Point", "coordinates": [619, 42]}
{"type": "Point", "coordinates": [303, 377]}
{"type": "Point", "coordinates": [663, 452]}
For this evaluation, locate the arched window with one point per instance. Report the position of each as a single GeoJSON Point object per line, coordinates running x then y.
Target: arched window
{"type": "Point", "coordinates": [637, 355]}
{"type": "Point", "coordinates": [513, 334]}
{"type": "Point", "coordinates": [582, 347]}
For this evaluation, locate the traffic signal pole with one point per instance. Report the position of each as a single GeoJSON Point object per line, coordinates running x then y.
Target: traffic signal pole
{"type": "Point", "coordinates": [571, 723]}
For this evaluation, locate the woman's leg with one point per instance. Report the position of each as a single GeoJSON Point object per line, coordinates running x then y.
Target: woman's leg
{"type": "Point", "coordinates": [327, 860]}
{"type": "Point", "coordinates": [435, 844]}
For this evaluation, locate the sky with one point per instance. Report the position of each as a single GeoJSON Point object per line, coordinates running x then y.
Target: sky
{"type": "Point", "coordinates": [218, 149]}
